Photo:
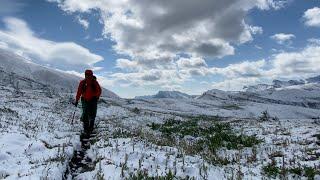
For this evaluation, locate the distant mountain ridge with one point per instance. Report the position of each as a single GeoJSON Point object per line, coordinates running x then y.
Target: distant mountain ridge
{"type": "Point", "coordinates": [17, 72]}
{"type": "Point", "coordinates": [280, 84]}
{"type": "Point", "coordinates": [215, 94]}
{"type": "Point", "coordinates": [258, 87]}
{"type": "Point", "coordinates": [315, 79]}
{"type": "Point", "coordinates": [303, 93]}
{"type": "Point", "coordinates": [167, 94]}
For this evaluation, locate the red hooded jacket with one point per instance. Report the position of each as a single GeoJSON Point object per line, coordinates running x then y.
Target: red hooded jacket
{"type": "Point", "coordinates": [88, 89]}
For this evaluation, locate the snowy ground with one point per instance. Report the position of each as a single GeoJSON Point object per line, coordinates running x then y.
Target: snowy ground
{"type": "Point", "coordinates": [36, 135]}
{"type": "Point", "coordinates": [38, 139]}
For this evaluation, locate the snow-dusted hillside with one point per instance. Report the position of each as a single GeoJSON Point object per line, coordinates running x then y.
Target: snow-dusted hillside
{"type": "Point", "coordinates": [20, 73]}
{"type": "Point", "coordinates": [36, 134]}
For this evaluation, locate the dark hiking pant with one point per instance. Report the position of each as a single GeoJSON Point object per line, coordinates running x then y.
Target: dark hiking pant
{"type": "Point", "coordinates": [89, 112]}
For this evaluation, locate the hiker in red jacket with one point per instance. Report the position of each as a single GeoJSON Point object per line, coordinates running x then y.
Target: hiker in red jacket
{"type": "Point", "coordinates": [89, 90]}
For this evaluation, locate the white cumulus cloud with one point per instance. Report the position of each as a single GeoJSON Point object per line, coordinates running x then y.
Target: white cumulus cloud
{"type": "Point", "coordinates": [83, 22]}
{"type": "Point", "coordinates": [242, 69]}
{"type": "Point", "coordinates": [312, 17]}
{"type": "Point", "coordinates": [193, 62]}
{"type": "Point", "coordinates": [126, 64]}
{"type": "Point", "coordinates": [235, 84]}
{"type": "Point", "coordinates": [283, 38]}
{"type": "Point", "coordinates": [314, 41]}
{"type": "Point", "coordinates": [296, 64]}
{"type": "Point", "coordinates": [18, 37]}
{"type": "Point", "coordinates": [154, 36]}
{"type": "Point", "coordinates": [158, 30]}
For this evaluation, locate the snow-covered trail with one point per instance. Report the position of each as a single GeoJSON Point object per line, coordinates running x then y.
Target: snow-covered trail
{"type": "Point", "coordinates": [80, 163]}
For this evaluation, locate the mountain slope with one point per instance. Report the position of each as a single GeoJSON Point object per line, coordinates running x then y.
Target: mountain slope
{"type": "Point", "coordinates": [17, 72]}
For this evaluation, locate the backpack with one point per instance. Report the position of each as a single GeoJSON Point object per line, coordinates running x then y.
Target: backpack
{"type": "Point", "coordinates": [93, 86]}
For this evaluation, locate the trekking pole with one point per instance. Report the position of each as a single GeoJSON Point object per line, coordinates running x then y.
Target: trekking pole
{"type": "Point", "coordinates": [73, 116]}
{"type": "Point", "coordinates": [74, 112]}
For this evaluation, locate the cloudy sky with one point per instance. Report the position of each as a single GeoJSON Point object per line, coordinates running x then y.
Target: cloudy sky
{"type": "Point", "coordinates": [138, 47]}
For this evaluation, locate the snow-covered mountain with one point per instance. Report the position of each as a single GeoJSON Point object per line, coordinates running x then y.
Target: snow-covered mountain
{"type": "Point", "coordinates": [258, 87]}
{"type": "Point", "coordinates": [275, 84]}
{"type": "Point", "coordinates": [279, 84]}
{"type": "Point", "coordinates": [167, 94]}
{"type": "Point", "coordinates": [215, 94]}
{"type": "Point", "coordinates": [17, 72]}
{"type": "Point", "coordinates": [294, 93]}
{"type": "Point", "coordinates": [315, 79]}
